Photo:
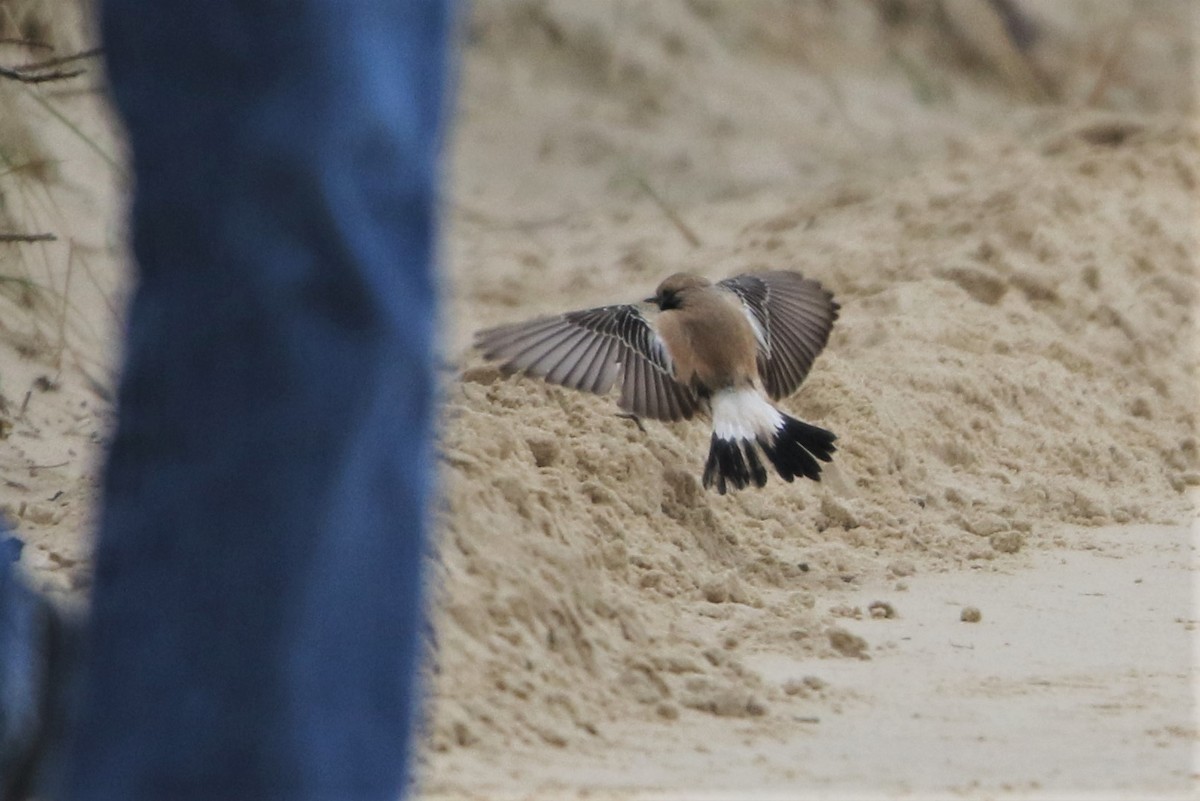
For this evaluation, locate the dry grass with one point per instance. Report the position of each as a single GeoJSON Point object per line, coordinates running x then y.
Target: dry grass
{"type": "Point", "coordinates": [44, 61]}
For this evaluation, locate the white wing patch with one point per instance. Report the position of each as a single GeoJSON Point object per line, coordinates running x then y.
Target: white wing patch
{"type": "Point", "coordinates": [759, 333]}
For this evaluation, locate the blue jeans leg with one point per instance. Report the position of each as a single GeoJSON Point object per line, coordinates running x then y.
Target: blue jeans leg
{"type": "Point", "coordinates": [255, 620]}
{"type": "Point", "coordinates": [21, 667]}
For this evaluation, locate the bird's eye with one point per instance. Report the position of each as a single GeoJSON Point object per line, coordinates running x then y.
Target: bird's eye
{"type": "Point", "coordinates": [668, 300]}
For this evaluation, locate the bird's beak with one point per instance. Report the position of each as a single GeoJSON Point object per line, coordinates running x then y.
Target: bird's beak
{"type": "Point", "coordinates": [651, 300]}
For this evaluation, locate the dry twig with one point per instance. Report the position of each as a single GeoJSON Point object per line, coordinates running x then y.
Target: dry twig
{"type": "Point", "coordinates": [32, 44]}
{"type": "Point", "coordinates": [45, 71]}
{"type": "Point", "coordinates": [1108, 67]}
{"type": "Point", "coordinates": [22, 238]}
{"type": "Point", "coordinates": [44, 77]}
{"type": "Point", "coordinates": [670, 213]}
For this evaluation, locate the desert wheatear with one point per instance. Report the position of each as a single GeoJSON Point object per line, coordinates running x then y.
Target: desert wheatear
{"type": "Point", "coordinates": [727, 349]}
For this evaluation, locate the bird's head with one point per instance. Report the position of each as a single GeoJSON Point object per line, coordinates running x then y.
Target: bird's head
{"type": "Point", "coordinates": [674, 289]}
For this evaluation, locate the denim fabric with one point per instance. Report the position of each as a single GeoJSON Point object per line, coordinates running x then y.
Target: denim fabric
{"type": "Point", "coordinates": [254, 627]}
{"type": "Point", "coordinates": [21, 665]}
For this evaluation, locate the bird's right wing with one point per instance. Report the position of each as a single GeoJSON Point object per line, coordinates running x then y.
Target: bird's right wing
{"type": "Point", "coordinates": [589, 350]}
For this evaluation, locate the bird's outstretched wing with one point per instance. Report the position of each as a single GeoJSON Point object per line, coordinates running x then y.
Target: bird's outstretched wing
{"type": "Point", "coordinates": [792, 316]}
{"type": "Point", "coordinates": [589, 350]}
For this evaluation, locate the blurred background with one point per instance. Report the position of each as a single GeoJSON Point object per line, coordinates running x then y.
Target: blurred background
{"type": "Point", "coordinates": [567, 107]}
{"type": "Point", "coordinates": [564, 106]}
{"type": "Point", "coordinates": [718, 100]}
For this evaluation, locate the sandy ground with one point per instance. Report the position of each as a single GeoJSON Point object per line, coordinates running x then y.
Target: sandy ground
{"type": "Point", "coordinates": [1012, 236]}
{"type": "Point", "coordinates": [942, 706]}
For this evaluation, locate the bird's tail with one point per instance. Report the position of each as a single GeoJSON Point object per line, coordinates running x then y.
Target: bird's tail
{"type": "Point", "coordinates": [745, 422]}
{"type": "Point", "coordinates": [796, 447]}
{"type": "Point", "coordinates": [733, 462]}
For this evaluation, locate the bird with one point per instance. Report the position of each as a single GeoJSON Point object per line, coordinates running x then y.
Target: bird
{"type": "Point", "coordinates": [728, 350]}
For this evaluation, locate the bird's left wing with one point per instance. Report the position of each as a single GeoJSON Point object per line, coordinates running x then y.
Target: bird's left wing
{"type": "Point", "coordinates": [792, 317]}
{"type": "Point", "coordinates": [589, 350]}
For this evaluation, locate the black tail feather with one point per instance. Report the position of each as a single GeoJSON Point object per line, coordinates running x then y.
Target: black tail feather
{"type": "Point", "coordinates": [793, 451]}
{"type": "Point", "coordinates": [733, 462]}
{"type": "Point", "coordinates": [757, 471]}
{"type": "Point", "coordinates": [797, 446]}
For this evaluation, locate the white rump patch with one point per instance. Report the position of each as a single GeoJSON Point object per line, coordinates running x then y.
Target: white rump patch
{"type": "Point", "coordinates": [744, 414]}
